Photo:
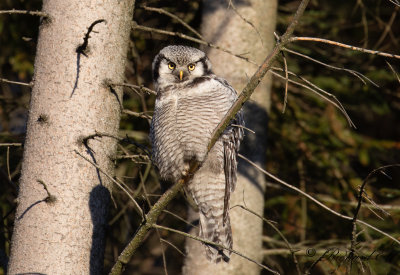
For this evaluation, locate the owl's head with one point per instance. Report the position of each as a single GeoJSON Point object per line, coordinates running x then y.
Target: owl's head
{"type": "Point", "coordinates": [177, 64]}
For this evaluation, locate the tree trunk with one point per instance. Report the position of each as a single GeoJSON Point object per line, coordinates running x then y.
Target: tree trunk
{"type": "Point", "coordinates": [77, 53]}
{"type": "Point", "coordinates": [224, 27]}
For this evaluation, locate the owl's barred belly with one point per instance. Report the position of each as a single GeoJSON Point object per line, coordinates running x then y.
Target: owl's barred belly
{"type": "Point", "coordinates": [192, 120]}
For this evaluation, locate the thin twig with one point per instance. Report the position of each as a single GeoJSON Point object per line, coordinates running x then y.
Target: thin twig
{"type": "Point", "coordinates": [258, 75]}
{"type": "Point", "coordinates": [335, 43]}
{"type": "Point", "coordinates": [286, 82]}
{"type": "Point", "coordinates": [318, 202]}
{"type": "Point", "coordinates": [150, 219]}
{"type": "Point", "coordinates": [136, 114]}
{"type": "Point", "coordinates": [318, 91]}
{"type": "Point", "coordinates": [140, 211]}
{"type": "Point", "coordinates": [360, 196]}
{"type": "Point", "coordinates": [16, 144]}
{"type": "Point", "coordinates": [324, 94]}
{"type": "Point", "coordinates": [162, 251]}
{"type": "Point", "coordinates": [132, 86]}
{"type": "Point", "coordinates": [216, 245]}
{"type": "Point", "coordinates": [355, 73]}
{"type": "Point", "coordinates": [179, 218]}
{"type": "Point", "coordinates": [30, 84]}
{"type": "Point", "coordinates": [10, 144]}
{"type": "Point", "coordinates": [173, 16]}
{"type": "Point", "coordinates": [190, 38]}
{"type": "Point", "coordinates": [351, 203]}
{"type": "Point", "coordinates": [243, 127]}
{"type": "Point", "coordinates": [292, 251]}
{"type": "Point", "coordinates": [374, 205]}
{"type": "Point", "coordinates": [394, 72]}
{"type": "Point", "coordinates": [8, 163]}
{"type": "Point", "coordinates": [395, 2]}
{"type": "Point", "coordinates": [230, 4]}
{"type": "Point", "coordinates": [388, 27]}
{"type": "Point", "coordinates": [36, 13]}
{"type": "Point", "coordinates": [174, 246]}
{"type": "Point", "coordinates": [304, 215]}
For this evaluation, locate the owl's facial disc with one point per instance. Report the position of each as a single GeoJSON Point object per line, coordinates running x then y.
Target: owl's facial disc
{"type": "Point", "coordinates": [178, 64]}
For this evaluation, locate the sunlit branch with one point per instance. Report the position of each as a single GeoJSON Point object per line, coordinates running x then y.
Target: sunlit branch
{"type": "Point", "coordinates": [30, 84]}
{"type": "Point", "coordinates": [37, 13]}
{"type": "Point", "coordinates": [334, 43]}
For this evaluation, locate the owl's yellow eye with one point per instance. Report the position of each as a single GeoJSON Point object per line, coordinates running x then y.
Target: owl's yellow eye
{"type": "Point", "coordinates": [191, 67]}
{"type": "Point", "coordinates": [171, 65]}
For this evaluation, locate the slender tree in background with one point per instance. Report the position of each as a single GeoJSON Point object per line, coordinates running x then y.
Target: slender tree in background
{"type": "Point", "coordinates": [63, 198]}
{"type": "Point", "coordinates": [246, 27]}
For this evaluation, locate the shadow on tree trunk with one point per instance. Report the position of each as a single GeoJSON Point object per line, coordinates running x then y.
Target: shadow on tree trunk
{"type": "Point", "coordinates": [98, 204]}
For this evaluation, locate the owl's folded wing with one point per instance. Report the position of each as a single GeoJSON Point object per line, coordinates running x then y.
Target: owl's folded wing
{"type": "Point", "coordinates": [231, 139]}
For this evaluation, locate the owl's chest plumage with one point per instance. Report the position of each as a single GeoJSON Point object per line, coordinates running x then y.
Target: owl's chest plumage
{"type": "Point", "coordinates": [183, 121]}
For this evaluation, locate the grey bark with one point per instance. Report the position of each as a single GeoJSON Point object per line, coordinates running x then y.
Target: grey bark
{"type": "Point", "coordinates": [224, 27]}
{"type": "Point", "coordinates": [67, 236]}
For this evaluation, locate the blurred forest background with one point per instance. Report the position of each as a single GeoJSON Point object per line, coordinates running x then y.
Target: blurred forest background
{"type": "Point", "coordinates": [310, 145]}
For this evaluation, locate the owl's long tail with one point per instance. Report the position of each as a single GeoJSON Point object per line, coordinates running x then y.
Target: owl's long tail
{"type": "Point", "coordinates": [212, 229]}
{"type": "Point", "coordinates": [208, 191]}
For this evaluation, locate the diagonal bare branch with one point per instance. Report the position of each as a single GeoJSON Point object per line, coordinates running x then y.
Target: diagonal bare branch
{"type": "Point", "coordinates": [155, 211]}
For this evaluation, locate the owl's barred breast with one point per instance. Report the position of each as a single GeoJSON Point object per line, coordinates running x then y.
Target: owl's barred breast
{"type": "Point", "coordinates": [183, 122]}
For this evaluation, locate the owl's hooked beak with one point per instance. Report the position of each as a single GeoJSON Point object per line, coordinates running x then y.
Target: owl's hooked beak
{"type": "Point", "coordinates": [181, 75]}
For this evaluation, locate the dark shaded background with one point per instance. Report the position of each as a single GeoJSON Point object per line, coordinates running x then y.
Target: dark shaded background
{"type": "Point", "coordinates": [310, 146]}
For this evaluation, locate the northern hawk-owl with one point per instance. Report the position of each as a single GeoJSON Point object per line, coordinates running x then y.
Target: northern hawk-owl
{"type": "Point", "coordinates": [190, 103]}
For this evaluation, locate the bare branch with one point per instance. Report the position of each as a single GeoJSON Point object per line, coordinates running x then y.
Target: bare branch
{"type": "Point", "coordinates": [230, 4]}
{"type": "Point", "coordinates": [258, 75]}
{"type": "Point", "coordinates": [10, 144]}
{"type": "Point", "coordinates": [395, 2]}
{"type": "Point", "coordinates": [136, 87]}
{"type": "Point", "coordinates": [179, 218]}
{"type": "Point", "coordinates": [317, 90]}
{"type": "Point", "coordinates": [355, 73]}
{"type": "Point", "coordinates": [30, 84]}
{"type": "Point", "coordinates": [394, 72]}
{"type": "Point", "coordinates": [318, 202]}
{"type": "Point", "coordinates": [216, 245]}
{"type": "Point", "coordinates": [360, 196]}
{"type": "Point", "coordinates": [150, 219]}
{"type": "Point", "coordinates": [334, 43]}
{"type": "Point", "coordinates": [286, 82]}
{"type": "Point", "coordinates": [383, 208]}
{"type": "Point", "coordinates": [184, 36]}
{"type": "Point", "coordinates": [173, 16]}
{"type": "Point", "coordinates": [140, 211]}
{"type": "Point", "coordinates": [387, 29]}
{"type": "Point", "coordinates": [136, 114]}
{"type": "Point", "coordinates": [292, 251]}
{"type": "Point", "coordinates": [13, 11]}
{"type": "Point", "coordinates": [174, 246]}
